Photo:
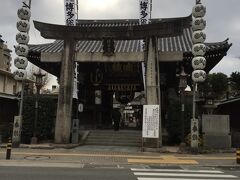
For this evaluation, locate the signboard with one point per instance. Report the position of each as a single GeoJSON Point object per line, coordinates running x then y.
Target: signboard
{"type": "Point", "coordinates": [16, 135]}
{"type": "Point", "coordinates": [70, 12]}
{"type": "Point", "coordinates": [144, 12]}
{"type": "Point", "coordinates": [150, 121]}
{"type": "Point", "coordinates": [194, 132]}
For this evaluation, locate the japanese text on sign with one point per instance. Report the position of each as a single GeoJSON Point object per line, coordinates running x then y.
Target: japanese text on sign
{"type": "Point", "coordinates": [70, 12]}
{"type": "Point", "coordinates": [144, 12]}
{"type": "Point", "coordinates": [194, 132]}
{"type": "Point", "coordinates": [150, 121]}
{"type": "Point", "coordinates": [17, 128]}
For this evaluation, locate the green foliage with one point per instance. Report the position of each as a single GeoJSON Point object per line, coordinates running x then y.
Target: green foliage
{"type": "Point", "coordinates": [46, 117]}
{"type": "Point", "coordinates": [235, 83]}
{"type": "Point", "coordinates": [216, 84]}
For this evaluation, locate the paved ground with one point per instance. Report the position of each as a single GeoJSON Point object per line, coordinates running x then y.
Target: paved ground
{"type": "Point", "coordinates": [113, 156]}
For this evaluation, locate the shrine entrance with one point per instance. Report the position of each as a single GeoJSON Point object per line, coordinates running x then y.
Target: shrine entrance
{"type": "Point", "coordinates": [107, 86]}
{"type": "Point", "coordinates": [110, 61]}
{"type": "Point", "coordinates": [150, 33]}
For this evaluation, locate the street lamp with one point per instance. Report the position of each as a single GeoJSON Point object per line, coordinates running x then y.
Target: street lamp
{"type": "Point", "coordinates": [182, 86]}
{"type": "Point", "coordinates": [39, 84]}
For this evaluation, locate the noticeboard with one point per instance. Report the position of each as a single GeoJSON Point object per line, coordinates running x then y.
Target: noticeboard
{"type": "Point", "coordinates": [150, 121]}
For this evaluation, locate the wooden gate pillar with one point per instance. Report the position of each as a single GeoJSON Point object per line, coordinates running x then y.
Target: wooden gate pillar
{"type": "Point", "coordinates": [153, 94]}
{"type": "Point", "coordinates": [64, 108]}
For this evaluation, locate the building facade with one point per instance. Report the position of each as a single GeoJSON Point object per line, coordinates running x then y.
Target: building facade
{"type": "Point", "coordinates": [9, 87]}
{"type": "Point", "coordinates": [111, 67]}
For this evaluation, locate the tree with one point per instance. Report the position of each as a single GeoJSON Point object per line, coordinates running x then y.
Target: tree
{"type": "Point", "coordinates": [216, 84]}
{"type": "Point", "coordinates": [235, 83]}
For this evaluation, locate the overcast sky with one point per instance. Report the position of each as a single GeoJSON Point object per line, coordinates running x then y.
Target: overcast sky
{"type": "Point", "coordinates": [223, 19]}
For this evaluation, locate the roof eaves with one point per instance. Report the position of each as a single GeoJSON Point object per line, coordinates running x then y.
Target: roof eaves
{"type": "Point", "coordinates": [229, 101]}
{"type": "Point", "coordinates": [8, 96]}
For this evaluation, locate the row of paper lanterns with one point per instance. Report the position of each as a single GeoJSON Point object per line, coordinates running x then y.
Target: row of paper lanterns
{"type": "Point", "coordinates": [198, 39]}
{"type": "Point", "coordinates": [22, 39]}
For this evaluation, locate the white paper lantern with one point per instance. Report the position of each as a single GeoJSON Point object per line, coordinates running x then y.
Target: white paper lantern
{"type": "Point", "coordinates": [21, 62]}
{"type": "Point", "coordinates": [21, 50]}
{"type": "Point", "coordinates": [199, 62]}
{"type": "Point", "coordinates": [198, 24]}
{"type": "Point", "coordinates": [199, 49]}
{"type": "Point", "coordinates": [20, 74]}
{"type": "Point", "coordinates": [199, 10]}
{"type": "Point", "coordinates": [198, 76]}
{"type": "Point", "coordinates": [22, 38]}
{"type": "Point", "coordinates": [198, 37]}
{"type": "Point", "coordinates": [23, 25]}
{"type": "Point", "coordinates": [24, 13]}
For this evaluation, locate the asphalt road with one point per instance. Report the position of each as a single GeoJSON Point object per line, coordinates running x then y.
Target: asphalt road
{"type": "Point", "coordinates": [163, 173]}
{"type": "Point", "coordinates": [52, 173]}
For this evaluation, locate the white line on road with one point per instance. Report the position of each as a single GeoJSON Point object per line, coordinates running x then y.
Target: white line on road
{"type": "Point", "coordinates": [184, 175]}
{"type": "Point", "coordinates": [178, 170]}
{"type": "Point", "coordinates": [171, 179]}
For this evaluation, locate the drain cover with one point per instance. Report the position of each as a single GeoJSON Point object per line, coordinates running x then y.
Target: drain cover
{"type": "Point", "coordinates": [37, 157]}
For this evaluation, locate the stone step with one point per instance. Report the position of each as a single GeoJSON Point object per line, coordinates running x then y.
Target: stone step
{"type": "Point", "coordinates": [117, 132]}
{"type": "Point", "coordinates": [113, 137]}
{"type": "Point", "coordinates": [114, 140]}
{"type": "Point", "coordinates": [114, 144]}
{"type": "Point", "coordinates": [110, 137]}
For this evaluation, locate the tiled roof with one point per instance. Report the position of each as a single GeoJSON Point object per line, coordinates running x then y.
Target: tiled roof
{"type": "Point", "coordinates": [181, 43]}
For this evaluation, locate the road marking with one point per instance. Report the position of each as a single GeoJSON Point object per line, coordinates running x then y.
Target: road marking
{"type": "Point", "coordinates": [183, 175]}
{"type": "Point", "coordinates": [180, 174]}
{"type": "Point", "coordinates": [178, 170]}
{"type": "Point", "coordinates": [99, 154]}
{"type": "Point", "coordinates": [163, 160]}
{"type": "Point", "coordinates": [171, 179]}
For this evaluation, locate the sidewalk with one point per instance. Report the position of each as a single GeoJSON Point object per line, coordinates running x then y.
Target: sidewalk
{"type": "Point", "coordinates": [112, 155]}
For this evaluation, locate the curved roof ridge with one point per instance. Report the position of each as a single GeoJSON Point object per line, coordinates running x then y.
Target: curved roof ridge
{"type": "Point", "coordinates": [219, 42]}
{"type": "Point", "coordinates": [128, 21]}
{"type": "Point", "coordinates": [44, 44]}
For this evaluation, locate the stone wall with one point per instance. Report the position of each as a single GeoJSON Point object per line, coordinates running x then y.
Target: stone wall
{"type": "Point", "coordinates": [216, 131]}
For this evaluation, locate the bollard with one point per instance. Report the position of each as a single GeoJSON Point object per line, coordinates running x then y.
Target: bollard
{"type": "Point", "coordinates": [9, 148]}
{"type": "Point", "coordinates": [238, 156]}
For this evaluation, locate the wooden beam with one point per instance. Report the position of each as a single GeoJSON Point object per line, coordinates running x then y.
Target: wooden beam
{"type": "Point", "coordinates": [160, 29]}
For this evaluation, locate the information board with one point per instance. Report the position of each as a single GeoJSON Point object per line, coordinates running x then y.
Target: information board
{"type": "Point", "coordinates": [150, 121]}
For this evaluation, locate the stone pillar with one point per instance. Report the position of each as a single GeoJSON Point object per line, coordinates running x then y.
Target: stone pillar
{"type": "Point", "coordinates": [152, 79]}
{"type": "Point", "coordinates": [64, 108]}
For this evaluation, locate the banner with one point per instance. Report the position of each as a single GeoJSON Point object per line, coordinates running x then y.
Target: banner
{"type": "Point", "coordinates": [144, 12]}
{"type": "Point", "coordinates": [17, 127]}
{"type": "Point", "coordinates": [70, 13]}
{"type": "Point", "coordinates": [150, 121]}
{"type": "Point", "coordinates": [75, 82]}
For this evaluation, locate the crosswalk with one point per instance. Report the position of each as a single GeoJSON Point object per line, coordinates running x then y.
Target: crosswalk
{"type": "Point", "coordinates": [181, 174]}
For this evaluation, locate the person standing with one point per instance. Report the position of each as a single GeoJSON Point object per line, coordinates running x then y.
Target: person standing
{"type": "Point", "coordinates": [116, 117]}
